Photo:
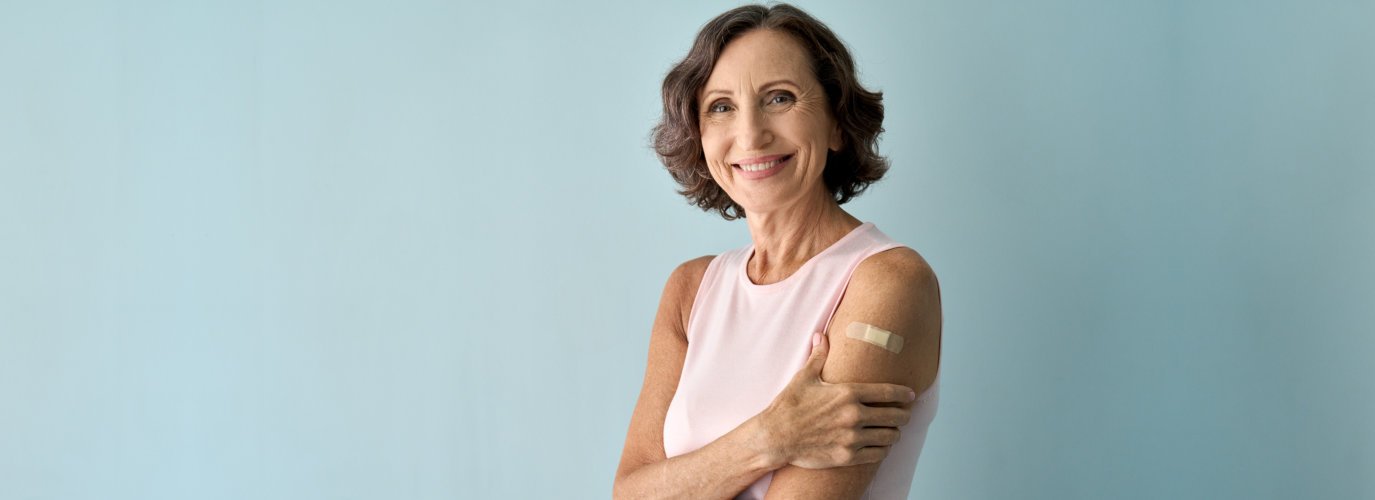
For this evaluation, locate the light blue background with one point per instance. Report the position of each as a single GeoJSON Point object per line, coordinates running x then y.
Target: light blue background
{"type": "Point", "coordinates": [362, 250]}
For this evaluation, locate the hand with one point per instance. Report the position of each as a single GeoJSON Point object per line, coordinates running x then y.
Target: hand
{"type": "Point", "coordinates": [817, 425]}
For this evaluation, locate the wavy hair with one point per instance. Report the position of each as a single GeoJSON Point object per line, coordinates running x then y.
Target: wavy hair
{"type": "Point", "coordinates": [677, 137]}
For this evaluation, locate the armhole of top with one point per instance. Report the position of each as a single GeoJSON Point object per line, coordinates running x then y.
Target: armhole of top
{"type": "Point", "coordinates": [708, 279]}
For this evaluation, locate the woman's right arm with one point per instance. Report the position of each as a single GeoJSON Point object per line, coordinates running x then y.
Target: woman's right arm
{"type": "Point", "coordinates": [720, 469]}
{"type": "Point", "coordinates": [811, 424]}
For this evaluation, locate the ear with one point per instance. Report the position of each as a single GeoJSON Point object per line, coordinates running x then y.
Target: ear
{"type": "Point", "coordinates": [836, 140]}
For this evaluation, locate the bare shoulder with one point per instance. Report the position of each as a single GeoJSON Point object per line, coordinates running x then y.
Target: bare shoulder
{"type": "Point", "coordinates": [686, 278]}
{"type": "Point", "coordinates": [681, 291]}
{"type": "Point", "coordinates": [895, 277]}
{"type": "Point", "coordinates": [689, 274]}
{"type": "Point", "coordinates": [901, 267]}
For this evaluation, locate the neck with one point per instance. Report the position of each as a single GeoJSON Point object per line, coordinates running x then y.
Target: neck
{"type": "Point", "coordinates": [786, 239]}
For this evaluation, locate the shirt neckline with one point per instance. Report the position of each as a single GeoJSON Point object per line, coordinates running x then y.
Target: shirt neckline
{"type": "Point", "coordinates": [794, 277]}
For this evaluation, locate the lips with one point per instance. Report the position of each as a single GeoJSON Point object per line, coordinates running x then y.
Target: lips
{"type": "Point", "coordinates": [765, 165]}
{"type": "Point", "coordinates": [761, 163]}
{"type": "Point", "coordinates": [762, 167]}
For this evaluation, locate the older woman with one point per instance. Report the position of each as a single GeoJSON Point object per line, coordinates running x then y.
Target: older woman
{"type": "Point", "coordinates": [788, 368]}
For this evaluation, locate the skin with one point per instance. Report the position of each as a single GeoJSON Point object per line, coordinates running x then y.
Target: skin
{"type": "Point", "coordinates": [826, 433]}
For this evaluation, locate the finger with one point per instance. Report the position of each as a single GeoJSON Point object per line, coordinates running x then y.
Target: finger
{"type": "Point", "coordinates": [884, 393]}
{"type": "Point", "coordinates": [817, 360]}
{"type": "Point", "coordinates": [869, 455]}
{"type": "Point", "coordinates": [878, 436]}
{"type": "Point", "coordinates": [883, 416]}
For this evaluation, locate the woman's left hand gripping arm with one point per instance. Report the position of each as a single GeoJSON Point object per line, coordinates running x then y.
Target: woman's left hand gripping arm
{"type": "Point", "coordinates": [894, 290]}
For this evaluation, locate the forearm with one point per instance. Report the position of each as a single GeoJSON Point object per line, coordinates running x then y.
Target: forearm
{"type": "Point", "coordinates": [721, 469]}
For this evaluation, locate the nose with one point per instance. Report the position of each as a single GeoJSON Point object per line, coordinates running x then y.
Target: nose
{"type": "Point", "coordinates": [752, 131]}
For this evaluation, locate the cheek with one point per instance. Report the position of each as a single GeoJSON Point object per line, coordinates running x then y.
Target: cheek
{"type": "Point", "coordinates": [813, 122]}
{"type": "Point", "coordinates": [709, 141]}
{"type": "Point", "coordinates": [713, 147]}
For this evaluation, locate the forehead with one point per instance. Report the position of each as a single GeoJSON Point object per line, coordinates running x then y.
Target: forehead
{"type": "Point", "coordinates": [760, 56]}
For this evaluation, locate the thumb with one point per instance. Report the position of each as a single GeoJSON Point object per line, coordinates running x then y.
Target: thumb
{"type": "Point", "coordinates": [820, 348]}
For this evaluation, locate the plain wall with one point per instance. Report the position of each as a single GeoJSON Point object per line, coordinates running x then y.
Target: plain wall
{"type": "Point", "coordinates": [367, 250]}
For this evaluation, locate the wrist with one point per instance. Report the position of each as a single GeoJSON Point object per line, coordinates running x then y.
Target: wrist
{"type": "Point", "coordinates": [762, 443]}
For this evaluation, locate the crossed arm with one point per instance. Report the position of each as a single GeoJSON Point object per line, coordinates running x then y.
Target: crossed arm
{"type": "Point", "coordinates": [718, 470]}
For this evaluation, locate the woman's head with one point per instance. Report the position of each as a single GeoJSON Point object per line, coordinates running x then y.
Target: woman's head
{"type": "Point", "coordinates": [763, 85]}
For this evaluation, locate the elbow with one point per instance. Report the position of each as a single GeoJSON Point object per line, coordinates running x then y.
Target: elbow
{"type": "Point", "coordinates": [626, 487]}
{"type": "Point", "coordinates": [619, 487]}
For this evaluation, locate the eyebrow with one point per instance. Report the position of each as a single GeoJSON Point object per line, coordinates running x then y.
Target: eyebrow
{"type": "Point", "coordinates": [766, 85]}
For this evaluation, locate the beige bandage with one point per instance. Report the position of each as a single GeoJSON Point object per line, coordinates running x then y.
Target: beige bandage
{"type": "Point", "coordinates": [875, 335]}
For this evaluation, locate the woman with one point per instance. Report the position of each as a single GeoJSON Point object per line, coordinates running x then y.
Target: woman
{"type": "Point", "coordinates": [755, 385]}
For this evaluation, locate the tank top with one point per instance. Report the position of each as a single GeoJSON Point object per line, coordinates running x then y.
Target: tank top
{"type": "Point", "coordinates": [746, 341]}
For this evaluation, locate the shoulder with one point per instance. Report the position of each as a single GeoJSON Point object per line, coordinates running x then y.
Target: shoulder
{"type": "Point", "coordinates": [898, 275]}
{"type": "Point", "coordinates": [688, 275]}
{"type": "Point", "coordinates": [681, 291]}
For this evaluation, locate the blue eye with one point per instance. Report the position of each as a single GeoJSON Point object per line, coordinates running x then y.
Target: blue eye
{"type": "Point", "coordinates": [781, 98]}
{"type": "Point", "coordinates": [718, 108]}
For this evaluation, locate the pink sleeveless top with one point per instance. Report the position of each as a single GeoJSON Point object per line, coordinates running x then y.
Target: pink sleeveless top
{"type": "Point", "coordinates": [746, 341]}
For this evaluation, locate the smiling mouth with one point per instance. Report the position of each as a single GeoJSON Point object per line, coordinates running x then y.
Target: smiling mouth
{"type": "Point", "coordinates": [756, 167]}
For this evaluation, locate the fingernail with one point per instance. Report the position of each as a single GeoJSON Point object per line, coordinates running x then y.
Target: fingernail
{"type": "Point", "coordinates": [816, 338]}
{"type": "Point", "coordinates": [911, 396]}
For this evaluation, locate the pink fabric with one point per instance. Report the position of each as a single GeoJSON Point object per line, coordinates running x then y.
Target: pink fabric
{"type": "Point", "coordinates": [746, 341]}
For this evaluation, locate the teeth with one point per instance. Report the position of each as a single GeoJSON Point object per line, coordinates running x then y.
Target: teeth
{"type": "Point", "coordinates": [758, 166]}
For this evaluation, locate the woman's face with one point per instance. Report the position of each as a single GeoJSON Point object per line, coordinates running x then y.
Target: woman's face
{"type": "Point", "coordinates": [766, 125]}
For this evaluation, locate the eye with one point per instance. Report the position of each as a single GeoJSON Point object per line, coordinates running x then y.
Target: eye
{"type": "Point", "coordinates": [782, 98]}
{"type": "Point", "coordinates": [718, 107]}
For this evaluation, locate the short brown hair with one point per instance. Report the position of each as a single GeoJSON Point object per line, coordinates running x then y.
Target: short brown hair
{"type": "Point", "coordinates": [857, 111]}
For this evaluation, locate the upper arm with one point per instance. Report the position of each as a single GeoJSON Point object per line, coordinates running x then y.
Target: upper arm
{"type": "Point", "coordinates": [644, 441]}
{"type": "Point", "coordinates": [897, 291]}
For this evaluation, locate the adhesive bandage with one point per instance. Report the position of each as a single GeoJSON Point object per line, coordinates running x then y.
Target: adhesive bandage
{"type": "Point", "coordinates": [875, 335]}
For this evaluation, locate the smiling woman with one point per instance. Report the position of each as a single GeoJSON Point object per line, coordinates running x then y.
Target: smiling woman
{"type": "Point", "coordinates": [752, 132]}
{"type": "Point", "coordinates": [752, 388]}
{"type": "Point", "coordinates": [858, 113]}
